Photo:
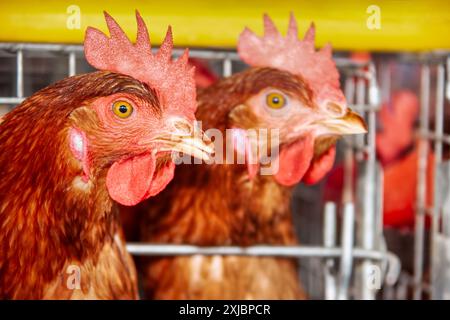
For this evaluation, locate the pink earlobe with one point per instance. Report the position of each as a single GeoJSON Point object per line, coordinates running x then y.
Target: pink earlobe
{"type": "Point", "coordinates": [79, 146]}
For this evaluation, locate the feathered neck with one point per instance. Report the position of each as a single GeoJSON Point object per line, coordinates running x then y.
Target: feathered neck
{"type": "Point", "coordinates": [45, 218]}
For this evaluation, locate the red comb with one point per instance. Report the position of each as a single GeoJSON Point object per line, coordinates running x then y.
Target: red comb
{"type": "Point", "coordinates": [173, 80]}
{"type": "Point", "coordinates": [294, 55]}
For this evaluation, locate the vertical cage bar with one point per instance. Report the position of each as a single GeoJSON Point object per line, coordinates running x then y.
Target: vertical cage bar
{"type": "Point", "coordinates": [329, 241]}
{"type": "Point", "coordinates": [19, 76]}
{"type": "Point", "coordinates": [72, 64]}
{"type": "Point", "coordinates": [227, 67]}
{"type": "Point", "coordinates": [446, 206]}
{"type": "Point", "coordinates": [445, 227]}
{"type": "Point", "coordinates": [385, 80]}
{"type": "Point", "coordinates": [349, 89]}
{"type": "Point", "coordinates": [346, 263]}
{"type": "Point", "coordinates": [349, 154]}
{"type": "Point", "coordinates": [360, 98]}
{"type": "Point", "coordinates": [368, 212]}
{"type": "Point", "coordinates": [439, 131]}
{"type": "Point", "coordinates": [375, 101]}
{"type": "Point", "coordinates": [421, 185]}
{"type": "Point", "coordinates": [349, 163]}
{"type": "Point", "coordinates": [447, 89]}
{"type": "Point", "coordinates": [374, 90]}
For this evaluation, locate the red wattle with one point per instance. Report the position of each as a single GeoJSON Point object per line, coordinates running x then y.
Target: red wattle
{"type": "Point", "coordinates": [294, 160]}
{"type": "Point", "coordinates": [320, 167]}
{"type": "Point", "coordinates": [133, 180]}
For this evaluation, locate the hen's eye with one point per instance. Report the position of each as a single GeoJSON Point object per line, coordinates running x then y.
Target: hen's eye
{"type": "Point", "coordinates": [122, 109]}
{"type": "Point", "coordinates": [275, 100]}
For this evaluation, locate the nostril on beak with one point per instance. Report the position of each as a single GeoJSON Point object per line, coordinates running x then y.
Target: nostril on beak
{"type": "Point", "coordinates": [183, 127]}
{"type": "Point", "coordinates": [334, 109]}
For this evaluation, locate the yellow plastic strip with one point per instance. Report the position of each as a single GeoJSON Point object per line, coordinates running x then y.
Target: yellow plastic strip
{"type": "Point", "coordinates": [380, 25]}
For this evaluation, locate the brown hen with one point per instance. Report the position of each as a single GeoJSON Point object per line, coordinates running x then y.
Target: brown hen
{"type": "Point", "coordinates": [234, 204]}
{"type": "Point", "coordinates": [72, 150]}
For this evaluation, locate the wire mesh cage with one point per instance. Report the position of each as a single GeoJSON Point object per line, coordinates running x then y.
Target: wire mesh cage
{"type": "Point", "coordinates": [430, 277]}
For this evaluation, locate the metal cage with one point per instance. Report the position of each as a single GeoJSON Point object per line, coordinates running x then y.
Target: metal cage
{"type": "Point", "coordinates": [433, 78]}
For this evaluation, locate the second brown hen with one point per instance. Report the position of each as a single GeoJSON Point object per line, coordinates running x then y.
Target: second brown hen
{"type": "Point", "coordinates": [236, 204]}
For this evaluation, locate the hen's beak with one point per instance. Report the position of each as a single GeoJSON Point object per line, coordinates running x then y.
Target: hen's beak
{"type": "Point", "coordinates": [188, 140]}
{"type": "Point", "coordinates": [194, 146]}
{"type": "Point", "coordinates": [350, 123]}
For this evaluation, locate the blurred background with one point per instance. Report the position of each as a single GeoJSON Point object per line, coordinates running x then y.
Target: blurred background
{"type": "Point", "coordinates": [389, 192]}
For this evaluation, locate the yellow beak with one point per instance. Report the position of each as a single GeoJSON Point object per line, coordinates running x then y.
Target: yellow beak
{"type": "Point", "coordinates": [350, 123]}
{"type": "Point", "coordinates": [194, 146]}
{"type": "Point", "coordinates": [188, 140]}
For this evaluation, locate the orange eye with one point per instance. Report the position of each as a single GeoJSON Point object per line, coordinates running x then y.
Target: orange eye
{"type": "Point", "coordinates": [122, 109]}
{"type": "Point", "coordinates": [275, 100]}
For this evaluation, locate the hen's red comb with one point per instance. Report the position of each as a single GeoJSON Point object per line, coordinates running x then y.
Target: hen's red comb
{"type": "Point", "coordinates": [173, 80]}
{"type": "Point", "coordinates": [294, 55]}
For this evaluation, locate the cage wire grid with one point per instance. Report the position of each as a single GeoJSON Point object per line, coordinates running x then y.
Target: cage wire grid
{"type": "Point", "coordinates": [433, 70]}
{"type": "Point", "coordinates": [349, 263]}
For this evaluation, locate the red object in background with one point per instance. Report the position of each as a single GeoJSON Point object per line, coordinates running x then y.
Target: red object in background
{"type": "Point", "coordinates": [400, 189]}
{"type": "Point", "coordinates": [397, 121]}
{"type": "Point", "coordinates": [361, 56]}
{"type": "Point", "coordinates": [204, 76]}
{"type": "Point", "coordinates": [400, 164]}
{"type": "Point", "coordinates": [399, 157]}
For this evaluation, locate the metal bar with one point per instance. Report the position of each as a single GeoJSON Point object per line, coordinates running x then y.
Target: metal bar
{"type": "Point", "coordinates": [421, 185]}
{"type": "Point", "coordinates": [362, 74]}
{"type": "Point", "coordinates": [227, 68]}
{"type": "Point", "coordinates": [403, 286]}
{"type": "Point", "coordinates": [194, 53]}
{"type": "Point", "coordinates": [349, 89]}
{"type": "Point", "coordinates": [439, 130]}
{"type": "Point", "coordinates": [364, 108]}
{"type": "Point", "coordinates": [444, 138]}
{"type": "Point", "coordinates": [348, 190]}
{"type": "Point", "coordinates": [346, 262]}
{"type": "Point", "coordinates": [40, 47]}
{"type": "Point", "coordinates": [19, 79]}
{"type": "Point", "coordinates": [379, 241]}
{"type": "Point", "coordinates": [329, 241]}
{"type": "Point", "coordinates": [150, 249]}
{"type": "Point", "coordinates": [374, 90]}
{"type": "Point", "coordinates": [385, 81]}
{"type": "Point", "coordinates": [360, 99]}
{"type": "Point", "coordinates": [350, 63]}
{"type": "Point", "coordinates": [393, 269]}
{"type": "Point", "coordinates": [207, 54]}
{"type": "Point", "coordinates": [349, 164]}
{"type": "Point", "coordinates": [447, 90]}
{"type": "Point", "coordinates": [12, 100]}
{"type": "Point", "coordinates": [72, 63]}
{"type": "Point", "coordinates": [368, 225]}
{"type": "Point", "coordinates": [444, 183]}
